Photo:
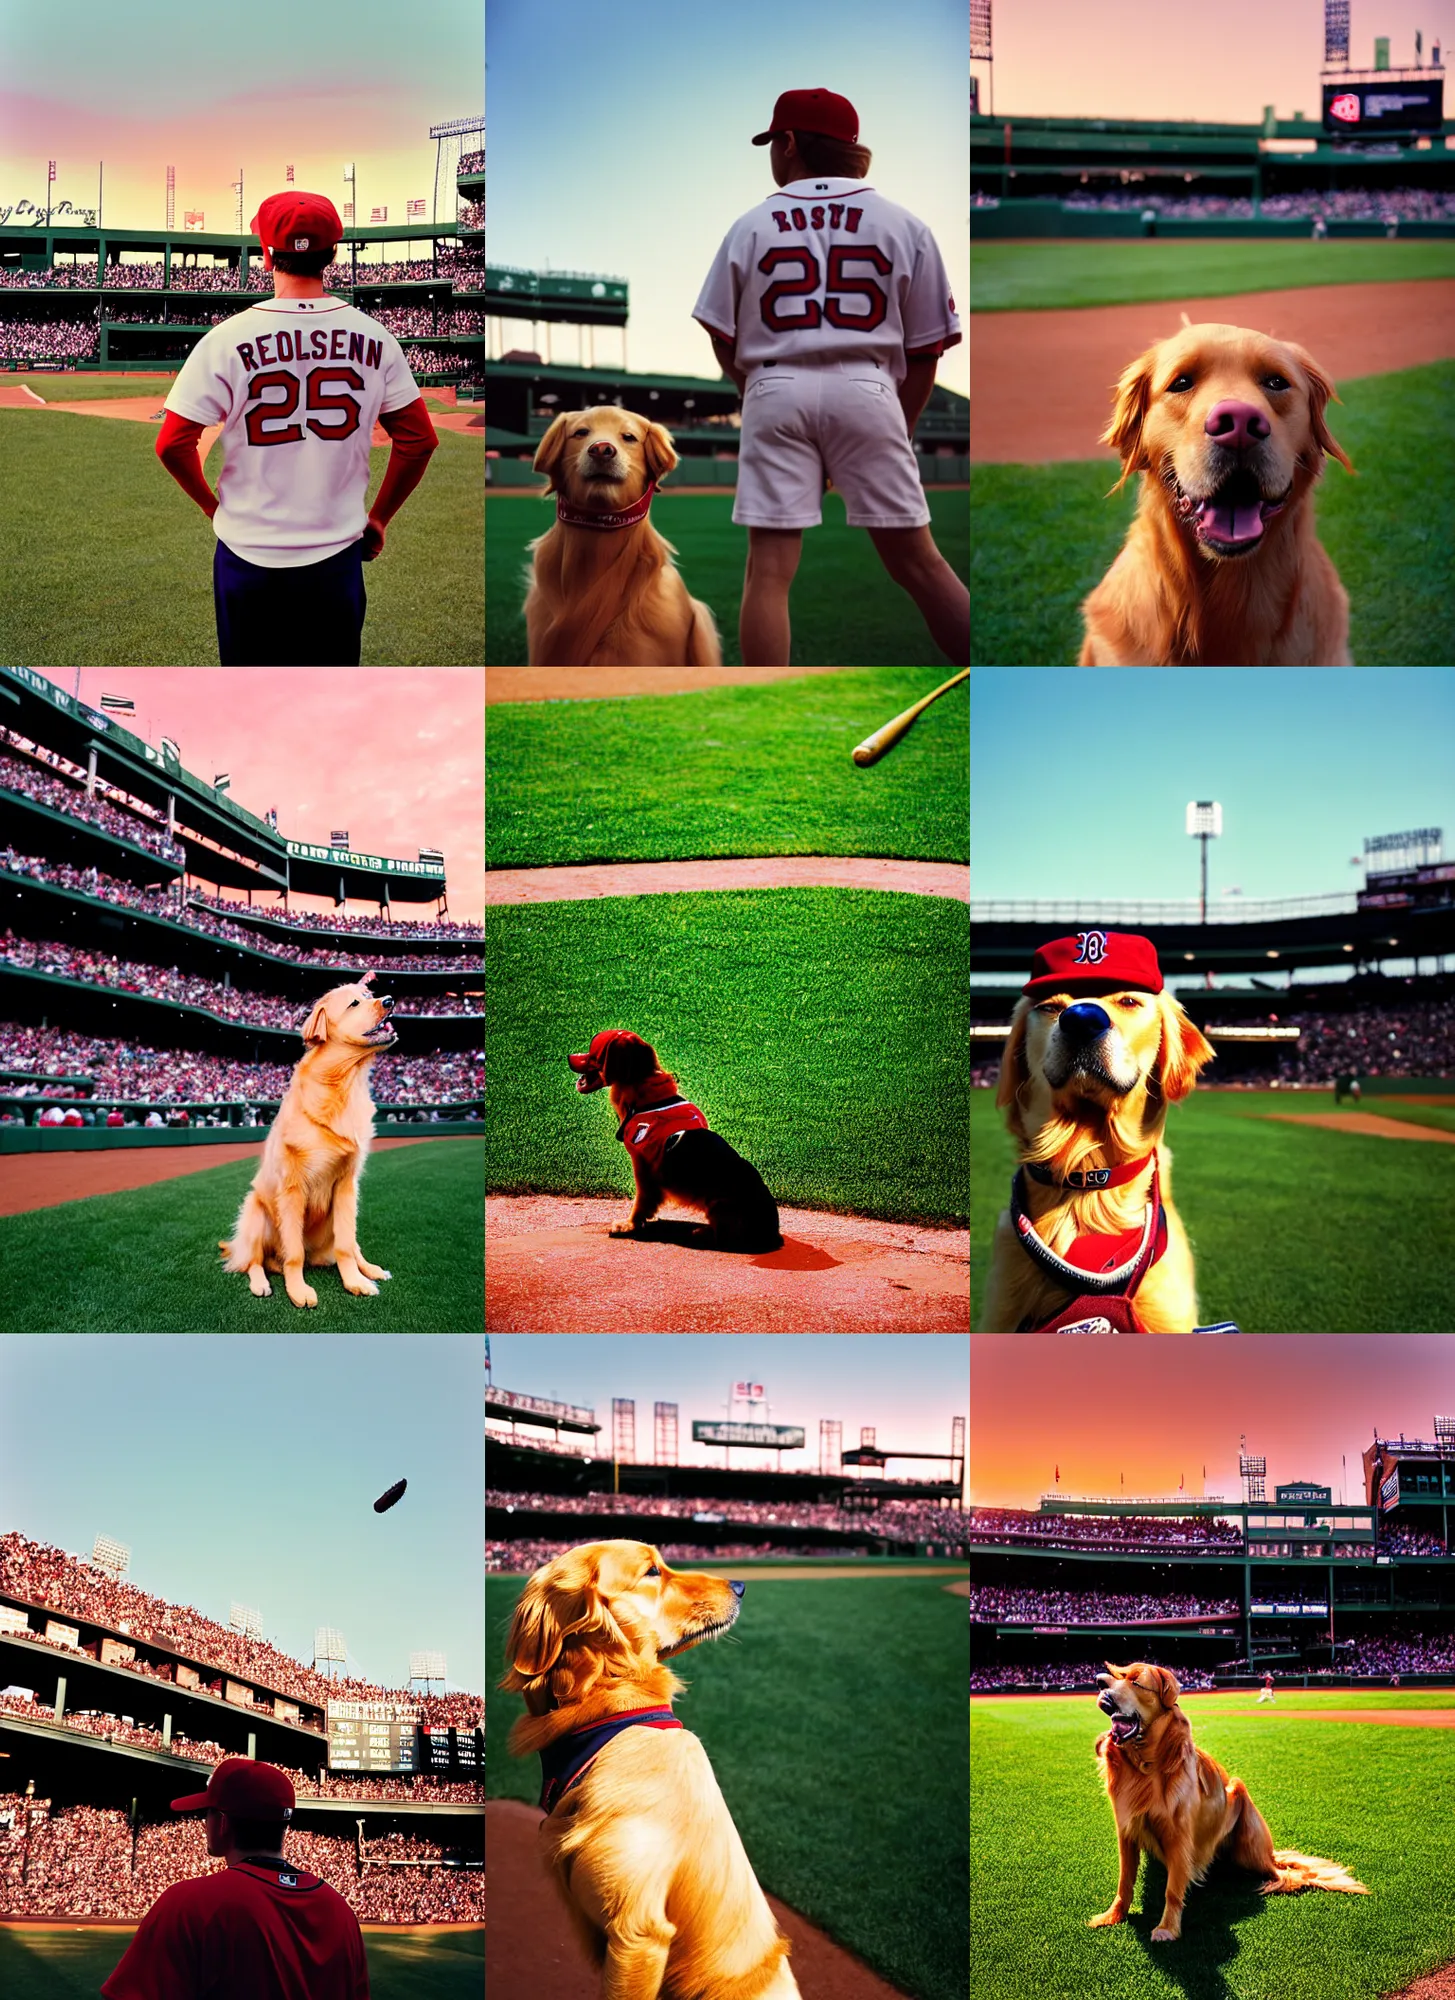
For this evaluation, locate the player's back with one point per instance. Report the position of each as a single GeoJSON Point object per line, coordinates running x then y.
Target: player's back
{"type": "Point", "coordinates": [297, 385]}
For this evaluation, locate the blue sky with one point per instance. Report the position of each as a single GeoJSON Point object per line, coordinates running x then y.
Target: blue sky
{"type": "Point", "coordinates": [910, 1386]}
{"type": "Point", "coordinates": [619, 141]}
{"type": "Point", "coordinates": [1079, 780]}
{"type": "Point", "coordinates": [244, 1469]}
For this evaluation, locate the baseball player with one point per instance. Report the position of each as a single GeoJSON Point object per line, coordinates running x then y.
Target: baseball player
{"type": "Point", "coordinates": [829, 307]}
{"type": "Point", "coordinates": [259, 1929]}
{"type": "Point", "coordinates": [1267, 1694]}
{"type": "Point", "coordinates": [297, 383]}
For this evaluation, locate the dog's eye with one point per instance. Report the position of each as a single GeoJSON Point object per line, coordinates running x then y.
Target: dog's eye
{"type": "Point", "coordinates": [653, 1571]}
{"type": "Point", "coordinates": [1276, 384]}
{"type": "Point", "coordinates": [1179, 385]}
{"type": "Point", "coordinates": [583, 432]}
{"type": "Point", "coordinates": [628, 437]}
{"type": "Point", "coordinates": [353, 1003]}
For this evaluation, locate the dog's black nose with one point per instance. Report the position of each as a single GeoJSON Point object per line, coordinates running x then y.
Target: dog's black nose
{"type": "Point", "coordinates": [1083, 1022]}
{"type": "Point", "coordinates": [603, 449]}
{"type": "Point", "coordinates": [737, 1589]}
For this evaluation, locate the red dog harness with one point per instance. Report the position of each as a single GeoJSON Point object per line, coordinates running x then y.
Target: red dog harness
{"type": "Point", "coordinates": [565, 1762]}
{"type": "Point", "coordinates": [646, 1134]}
{"type": "Point", "coordinates": [1102, 1272]}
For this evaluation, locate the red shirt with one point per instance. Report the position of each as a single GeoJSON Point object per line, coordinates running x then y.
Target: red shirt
{"type": "Point", "coordinates": [645, 1133]}
{"type": "Point", "coordinates": [256, 1931]}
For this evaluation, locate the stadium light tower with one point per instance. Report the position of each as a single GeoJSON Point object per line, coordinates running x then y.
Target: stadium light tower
{"type": "Point", "coordinates": [1204, 823]}
{"type": "Point", "coordinates": [110, 1557]}
{"type": "Point", "coordinates": [425, 1668]}
{"type": "Point", "coordinates": [1445, 1432]}
{"type": "Point", "coordinates": [1253, 1471]}
{"type": "Point", "coordinates": [245, 1619]}
{"type": "Point", "coordinates": [329, 1650]}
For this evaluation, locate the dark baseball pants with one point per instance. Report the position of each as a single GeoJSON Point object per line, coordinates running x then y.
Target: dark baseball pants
{"type": "Point", "coordinates": [307, 617]}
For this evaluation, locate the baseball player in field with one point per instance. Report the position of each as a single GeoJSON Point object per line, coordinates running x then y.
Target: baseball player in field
{"type": "Point", "coordinates": [258, 1929]}
{"type": "Point", "coordinates": [829, 306]}
{"type": "Point", "coordinates": [297, 383]}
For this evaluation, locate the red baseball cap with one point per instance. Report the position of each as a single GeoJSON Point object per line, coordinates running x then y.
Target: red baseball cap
{"type": "Point", "coordinates": [297, 221]}
{"type": "Point", "coordinates": [1094, 958]}
{"type": "Point", "coordinates": [813, 111]}
{"type": "Point", "coordinates": [589, 1065]}
{"type": "Point", "coordinates": [244, 1788]}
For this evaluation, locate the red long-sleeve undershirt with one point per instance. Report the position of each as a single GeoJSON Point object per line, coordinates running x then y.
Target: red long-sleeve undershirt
{"type": "Point", "coordinates": [412, 439]}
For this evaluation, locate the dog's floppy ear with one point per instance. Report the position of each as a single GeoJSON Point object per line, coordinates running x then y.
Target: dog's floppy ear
{"type": "Point", "coordinates": [315, 1028]}
{"type": "Point", "coordinates": [628, 1059]}
{"type": "Point", "coordinates": [1129, 413]}
{"type": "Point", "coordinates": [1320, 389]}
{"type": "Point", "coordinates": [548, 452]}
{"type": "Point", "coordinates": [1168, 1686]}
{"type": "Point", "coordinates": [1013, 1071]}
{"type": "Point", "coordinates": [658, 447]}
{"type": "Point", "coordinates": [1185, 1050]}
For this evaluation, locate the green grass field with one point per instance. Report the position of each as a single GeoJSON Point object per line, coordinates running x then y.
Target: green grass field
{"type": "Point", "coordinates": [1044, 1858]}
{"type": "Point", "coordinates": [835, 1719]}
{"type": "Point", "coordinates": [148, 1262]}
{"type": "Point", "coordinates": [1295, 1228]}
{"type": "Point", "coordinates": [844, 608]}
{"type": "Point", "coordinates": [1045, 535]}
{"type": "Point", "coordinates": [752, 770]}
{"type": "Point", "coordinates": [70, 1963]}
{"type": "Point", "coordinates": [111, 563]}
{"type": "Point", "coordinates": [1066, 272]}
{"type": "Point", "coordinates": [818, 1029]}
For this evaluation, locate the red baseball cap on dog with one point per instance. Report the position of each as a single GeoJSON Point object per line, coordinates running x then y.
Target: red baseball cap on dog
{"type": "Point", "coordinates": [297, 221]}
{"type": "Point", "coordinates": [813, 111]}
{"type": "Point", "coordinates": [250, 1790]}
{"type": "Point", "coordinates": [589, 1065]}
{"type": "Point", "coordinates": [1094, 958]}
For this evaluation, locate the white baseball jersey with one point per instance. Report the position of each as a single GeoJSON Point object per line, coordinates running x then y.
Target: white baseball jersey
{"type": "Point", "coordinates": [296, 385]}
{"type": "Point", "coordinates": [828, 269]}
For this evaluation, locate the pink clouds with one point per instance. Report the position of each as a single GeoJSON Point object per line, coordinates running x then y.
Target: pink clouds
{"type": "Point", "coordinates": [394, 754]}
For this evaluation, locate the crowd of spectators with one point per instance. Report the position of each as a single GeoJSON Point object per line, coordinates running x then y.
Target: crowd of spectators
{"type": "Point", "coordinates": [1407, 1038]}
{"type": "Point", "coordinates": [41, 1575]}
{"type": "Point", "coordinates": [85, 1861]}
{"type": "Point", "coordinates": [1411, 1542]}
{"type": "Point", "coordinates": [1067, 1677]}
{"type": "Point", "coordinates": [136, 1073]}
{"type": "Point", "coordinates": [471, 215]}
{"type": "Point", "coordinates": [376, 926]}
{"type": "Point", "coordinates": [1401, 1652]}
{"type": "Point", "coordinates": [1121, 1531]}
{"type": "Point", "coordinates": [439, 360]}
{"type": "Point", "coordinates": [470, 163]}
{"type": "Point", "coordinates": [424, 322]}
{"type": "Point", "coordinates": [104, 808]}
{"type": "Point", "coordinates": [48, 340]}
{"type": "Point", "coordinates": [894, 1520]}
{"type": "Point", "coordinates": [1405, 204]}
{"type": "Point", "coordinates": [173, 315]}
{"type": "Point", "coordinates": [1088, 1607]}
{"type": "Point", "coordinates": [150, 275]}
{"type": "Point", "coordinates": [520, 1558]}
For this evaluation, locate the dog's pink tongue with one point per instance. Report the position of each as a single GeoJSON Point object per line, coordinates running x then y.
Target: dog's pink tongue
{"type": "Point", "coordinates": [1233, 521]}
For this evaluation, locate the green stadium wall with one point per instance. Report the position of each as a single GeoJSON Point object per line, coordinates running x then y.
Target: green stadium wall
{"type": "Point", "coordinates": [723, 472]}
{"type": "Point", "coordinates": [107, 1139]}
{"type": "Point", "coordinates": [1054, 218]}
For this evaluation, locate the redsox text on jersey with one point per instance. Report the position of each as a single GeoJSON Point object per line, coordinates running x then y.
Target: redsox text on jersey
{"type": "Point", "coordinates": [829, 306]}
{"type": "Point", "coordinates": [297, 384]}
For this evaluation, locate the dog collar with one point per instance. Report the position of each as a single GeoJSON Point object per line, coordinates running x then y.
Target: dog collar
{"type": "Point", "coordinates": [1093, 1179]}
{"type": "Point", "coordinates": [565, 1762]}
{"type": "Point", "coordinates": [1101, 1279]}
{"type": "Point", "coordinates": [623, 517]}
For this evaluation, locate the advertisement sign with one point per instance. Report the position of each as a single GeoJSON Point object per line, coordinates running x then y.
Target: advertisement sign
{"type": "Point", "coordinates": [62, 1635]}
{"type": "Point", "coordinates": [1389, 1492]}
{"type": "Point", "coordinates": [1301, 1494]}
{"type": "Point", "coordinates": [113, 1653]}
{"type": "Point", "coordinates": [776, 1437]}
{"type": "Point", "coordinates": [1387, 106]}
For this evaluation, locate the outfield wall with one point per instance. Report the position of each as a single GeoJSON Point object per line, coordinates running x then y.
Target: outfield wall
{"type": "Point", "coordinates": [109, 1139]}
{"type": "Point", "coordinates": [723, 472]}
{"type": "Point", "coordinates": [1056, 219]}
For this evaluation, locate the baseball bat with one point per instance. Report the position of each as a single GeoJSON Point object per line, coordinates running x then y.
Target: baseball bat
{"type": "Point", "coordinates": [873, 747]}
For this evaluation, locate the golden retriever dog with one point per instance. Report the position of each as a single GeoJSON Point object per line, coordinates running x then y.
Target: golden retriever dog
{"type": "Point", "coordinates": [1091, 1242]}
{"type": "Point", "coordinates": [1180, 1804]}
{"type": "Point", "coordinates": [637, 1834]}
{"type": "Point", "coordinates": [303, 1206]}
{"type": "Point", "coordinates": [604, 591]}
{"type": "Point", "coordinates": [673, 1151]}
{"type": "Point", "coordinates": [1221, 566]}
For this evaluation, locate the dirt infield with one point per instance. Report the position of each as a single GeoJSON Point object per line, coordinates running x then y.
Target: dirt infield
{"type": "Point", "coordinates": [612, 683]}
{"type": "Point", "coordinates": [1402, 1718]}
{"type": "Point", "coordinates": [1367, 1122]}
{"type": "Point", "coordinates": [18, 397]}
{"type": "Point", "coordinates": [45, 1180]}
{"type": "Point", "coordinates": [770, 871]}
{"type": "Point", "coordinates": [551, 1267]}
{"type": "Point", "coordinates": [1044, 380]}
{"type": "Point", "coordinates": [531, 1949]}
{"type": "Point", "coordinates": [1436, 1985]}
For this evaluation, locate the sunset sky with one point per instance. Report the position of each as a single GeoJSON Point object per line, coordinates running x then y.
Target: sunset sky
{"type": "Point", "coordinates": [1156, 1411]}
{"type": "Point", "coordinates": [208, 88]}
{"type": "Point", "coordinates": [1175, 59]}
{"type": "Point", "coordinates": [396, 755]}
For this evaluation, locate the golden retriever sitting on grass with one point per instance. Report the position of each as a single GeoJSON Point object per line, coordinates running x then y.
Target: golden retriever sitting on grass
{"type": "Point", "coordinates": [637, 1833]}
{"type": "Point", "coordinates": [303, 1206]}
{"type": "Point", "coordinates": [604, 591]}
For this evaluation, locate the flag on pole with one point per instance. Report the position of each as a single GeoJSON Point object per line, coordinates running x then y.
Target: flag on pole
{"type": "Point", "coordinates": [1182, 1483]}
{"type": "Point", "coordinates": [378, 215]}
{"type": "Point", "coordinates": [348, 211]}
{"type": "Point", "coordinates": [339, 837]}
{"type": "Point", "coordinates": [194, 219]}
{"type": "Point", "coordinates": [119, 704]}
{"type": "Point", "coordinates": [1058, 1475]}
{"type": "Point", "coordinates": [349, 171]}
{"type": "Point", "coordinates": [416, 208]}
{"type": "Point", "coordinates": [288, 174]}
{"type": "Point", "coordinates": [52, 173]}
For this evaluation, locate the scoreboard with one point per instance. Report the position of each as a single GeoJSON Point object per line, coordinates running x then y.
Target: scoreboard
{"type": "Point", "coordinates": [452, 1753]}
{"type": "Point", "coordinates": [372, 1736]}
